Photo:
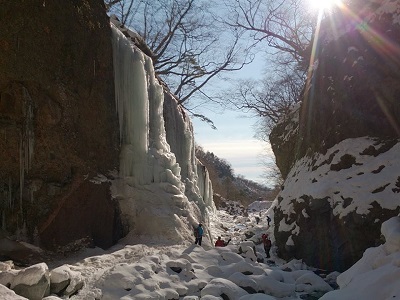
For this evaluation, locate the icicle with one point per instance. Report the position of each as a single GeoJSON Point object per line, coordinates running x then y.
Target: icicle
{"type": "Point", "coordinates": [132, 106]}
{"type": "Point", "coordinates": [31, 190]}
{"type": "Point", "coordinates": [10, 202]}
{"type": "Point", "coordinates": [22, 233]}
{"type": "Point", "coordinates": [28, 133]}
{"type": "Point", "coordinates": [26, 142]}
{"type": "Point", "coordinates": [21, 172]}
{"type": "Point", "coordinates": [158, 136]}
{"type": "Point", "coordinates": [3, 220]}
{"type": "Point", "coordinates": [36, 237]}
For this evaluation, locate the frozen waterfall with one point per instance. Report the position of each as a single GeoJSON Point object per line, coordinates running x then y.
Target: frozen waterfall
{"type": "Point", "coordinates": [139, 99]}
{"type": "Point", "coordinates": [150, 182]}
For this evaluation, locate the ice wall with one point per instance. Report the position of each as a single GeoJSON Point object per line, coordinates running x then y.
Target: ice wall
{"type": "Point", "coordinates": [205, 186]}
{"type": "Point", "coordinates": [150, 184]}
{"type": "Point", "coordinates": [179, 132]}
{"type": "Point", "coordinates": [139, 99]}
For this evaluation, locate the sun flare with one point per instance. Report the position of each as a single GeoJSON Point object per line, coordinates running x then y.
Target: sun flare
{"type": "Point", "coordinates": [323, 4]}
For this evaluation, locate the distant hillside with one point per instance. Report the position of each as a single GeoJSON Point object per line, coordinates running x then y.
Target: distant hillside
{"type": "Point", "coordinates": [229, 186]}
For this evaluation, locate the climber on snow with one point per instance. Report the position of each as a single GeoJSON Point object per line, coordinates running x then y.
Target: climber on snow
{"type": "Point", "coordinates": [221, 243]}
{"type": "Point", "coordinates": [198, 233]}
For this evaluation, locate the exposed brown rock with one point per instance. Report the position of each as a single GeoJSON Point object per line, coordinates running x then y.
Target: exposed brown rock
{"type": "Point", "coordinates": [57, 119]}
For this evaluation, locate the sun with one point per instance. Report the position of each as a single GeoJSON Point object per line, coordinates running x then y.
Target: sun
{"type": "Point", "coordinates": [323, 5]}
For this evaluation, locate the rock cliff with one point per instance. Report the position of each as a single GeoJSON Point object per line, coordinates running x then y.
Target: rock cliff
{"type": "Point", "coordinates": [338, 149]}
{"type": "Point", "coordinates": [57, 120]}
{"type": "Point", "coordinates": [65, 146]}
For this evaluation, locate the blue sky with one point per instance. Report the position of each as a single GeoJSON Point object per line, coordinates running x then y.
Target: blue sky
{"type": "Point", "coordinates": [234, 140]}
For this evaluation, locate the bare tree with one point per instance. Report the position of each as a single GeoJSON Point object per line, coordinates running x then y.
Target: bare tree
{"type": "Point", "coordinates": [285, 29]}
{"type": "Point", "coordinates": [284, 25]}
{"type": "Point", "coordinates": [273, 174]}
{"type": "Point", "coordinates": [189, 46]}
{"type": "Point", "coordinates": [270, 98]}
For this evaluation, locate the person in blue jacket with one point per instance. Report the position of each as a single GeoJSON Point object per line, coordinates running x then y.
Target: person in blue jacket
{"type": "Point", "coordinates": [198, 233]}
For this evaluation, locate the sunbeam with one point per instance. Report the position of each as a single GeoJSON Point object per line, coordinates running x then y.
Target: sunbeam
{"type": "Point", "coordinates": [323, 5]}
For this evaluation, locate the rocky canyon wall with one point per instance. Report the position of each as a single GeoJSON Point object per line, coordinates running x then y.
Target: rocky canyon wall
{"type": "Point", "coordinates": [337, 151]}
{"type": "Point", "coordinates": [57, 120]}
{"type": "Point", "coordinates": [67, 171]}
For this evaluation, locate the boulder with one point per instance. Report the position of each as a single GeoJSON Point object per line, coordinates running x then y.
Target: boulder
{"type": "Point", "coordinates": [8, 294]}
{"type": "Point", "coordinates": [64, 281]}
{"type": "Point", "coordinates": [32, 282]}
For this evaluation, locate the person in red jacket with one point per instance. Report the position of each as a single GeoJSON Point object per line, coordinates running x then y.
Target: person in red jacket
{"type": "Point", "coordinates": [221, 243]}
{"type": "Point", "coordinates": [267, 244]}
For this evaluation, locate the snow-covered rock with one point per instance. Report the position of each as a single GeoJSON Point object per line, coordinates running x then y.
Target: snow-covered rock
{"type": "Point", "coordinates": [64, 281]}
{"type": "Point", "coordinates": [32, 282]}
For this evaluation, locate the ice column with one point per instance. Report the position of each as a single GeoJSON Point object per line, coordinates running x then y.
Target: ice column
{"type": "Point", "coordinates": [145, 154]}
{"type": "Point", "coordinates": [132, 107]}
{"type": "Point", "coordinates": [26, 141]}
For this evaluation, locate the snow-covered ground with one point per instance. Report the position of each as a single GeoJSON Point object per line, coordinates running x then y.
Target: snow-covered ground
{"type": "Point", "coordinates": [234, 272]}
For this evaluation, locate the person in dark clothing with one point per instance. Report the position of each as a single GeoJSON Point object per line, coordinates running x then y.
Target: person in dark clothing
{"type": "Point", "coordinates": [198, 233]}
{"type": "Point", "coordinates": [257, 220]}
{"type": "Point", "coordinates": [267, 244]}
{"type": "Point", "coordinates": [268, 220]}
{"type": "Point", "coordinates": [221, 243]}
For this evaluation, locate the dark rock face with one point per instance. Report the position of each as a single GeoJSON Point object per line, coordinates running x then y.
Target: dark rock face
{"type": "Point", "coordinates": [284, 142]}
{"type": "Point", "coordinates": [86, 212]}
{"type": "Point", "coordinates": [327, 241]}
{"type": "Point", "coordinates": [354, 91]}
{"type": "Point", "coordinates": [58, 122]}
{"type": "Point", "coordinates": [332, 206]}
